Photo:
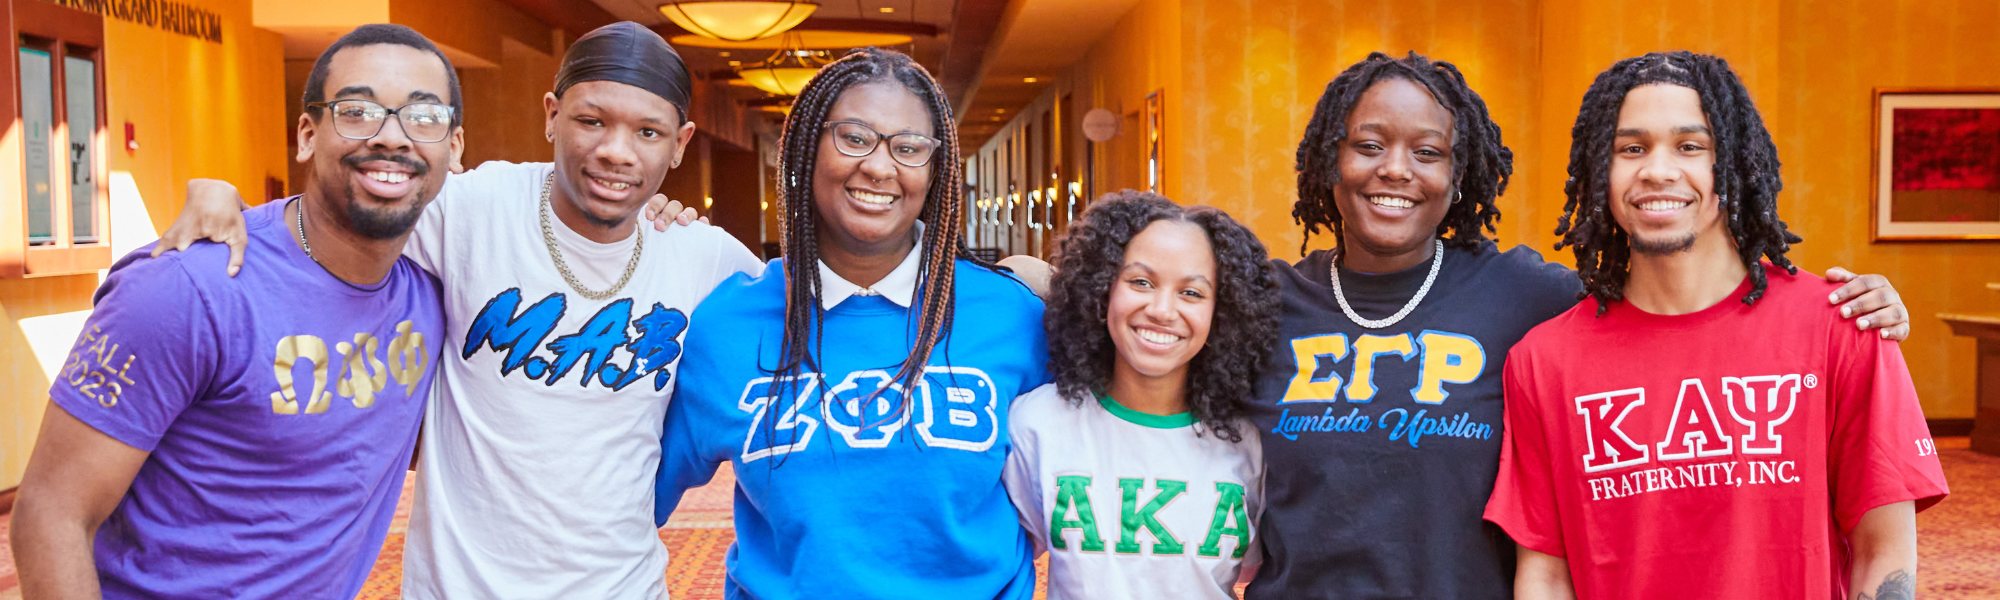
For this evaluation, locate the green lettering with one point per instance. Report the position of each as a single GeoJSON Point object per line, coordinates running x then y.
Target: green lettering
{"type": "Point", "coordinates": [1229, 504]}
{"type": "Point", "coordinates": [1131, 517]}
{"type": "Point", "coordinates": [1073, 496]}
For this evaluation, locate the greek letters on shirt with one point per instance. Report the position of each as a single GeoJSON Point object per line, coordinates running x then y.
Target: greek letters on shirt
{"type": "Point", "coordinates": [651, 340]}
{"type": "Point", "coordinates": [1074, 512]}
{"type": "Point", "coordinates": [98, 370]}
{"type": "Point", "coordinates": [953, 408]}
{"type": "Point", "coordinates": [1746, 426]}
{"type": "Point", "coordinates": [1444, 359]}
{"type": "Point", "coordinates": [361, 375]}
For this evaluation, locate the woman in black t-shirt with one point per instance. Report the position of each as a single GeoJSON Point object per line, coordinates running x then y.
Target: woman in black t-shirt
{"type": "Point", "coordinates": [1380, 409]}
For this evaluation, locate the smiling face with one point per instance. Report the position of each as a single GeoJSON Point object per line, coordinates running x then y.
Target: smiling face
{"type": "Point", "coordinates": [1663, 170]}
{"type": "Point", "coordinates": [378, 187]}
{"type": "Point", "coordinates": [614, 144]}
{"type": "Point", "coordinates": [1395, 170]}
{"type": "Point", "coordinates": [1162, 301]}
{"type": "Point", "coordinates": [868, 204]}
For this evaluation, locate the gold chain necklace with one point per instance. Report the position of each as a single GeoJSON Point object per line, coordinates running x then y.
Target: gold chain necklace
{"type": "Point", "coordinates": [549, 238]}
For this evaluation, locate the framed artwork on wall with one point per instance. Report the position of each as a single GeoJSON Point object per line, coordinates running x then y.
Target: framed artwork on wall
{"type": "Point", "coordinates": [1936, 168]}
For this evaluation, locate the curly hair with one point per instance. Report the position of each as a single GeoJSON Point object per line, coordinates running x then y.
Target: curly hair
{"type": "Point", "coordinates": [943, 241]}
{"type": "Point", "coordinates": [1480, 168]}
{"type": "Point", "coordinates": [1746, 172]}
{"type": "Point", "coordinates": [1246, 305]}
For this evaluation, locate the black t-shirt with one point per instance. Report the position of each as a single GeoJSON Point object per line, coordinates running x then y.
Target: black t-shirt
{"type": "Point", "coordinates": [1374, 489]}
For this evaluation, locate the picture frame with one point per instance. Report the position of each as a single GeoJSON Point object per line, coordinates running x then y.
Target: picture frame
{"type": "Point", "coordinates": [1935, 168]}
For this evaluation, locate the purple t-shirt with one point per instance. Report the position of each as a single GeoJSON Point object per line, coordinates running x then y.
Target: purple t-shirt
{"type": "Point", "coordinates": [280, 408]}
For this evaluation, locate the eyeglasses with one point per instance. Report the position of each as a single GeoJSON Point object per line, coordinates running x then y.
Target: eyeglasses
{"type": "Point", "coordinates": [362, 119]}
{"type": "Point", "coordinates": [858, 140]}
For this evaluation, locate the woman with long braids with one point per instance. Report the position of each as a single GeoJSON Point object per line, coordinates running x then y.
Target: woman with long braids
{"type": "Point", "coordinates": [860, 385]}
{"type": "Point", "coordinates": [1380, 411]}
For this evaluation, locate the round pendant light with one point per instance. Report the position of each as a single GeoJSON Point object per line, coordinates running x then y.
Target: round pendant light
{"type": "Point", "coordinates": [786, 72]}
{"type": "Point", "coordinates": [738, 20]}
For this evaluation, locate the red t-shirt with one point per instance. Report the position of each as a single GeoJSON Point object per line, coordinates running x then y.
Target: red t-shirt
{"type": "Point", "coordinates": [1724, 453]}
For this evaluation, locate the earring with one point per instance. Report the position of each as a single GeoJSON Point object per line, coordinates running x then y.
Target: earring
{"type": "Point", "coordinates": [550, 135]}
{"type": "Point", "coordinates": [1460, 196]}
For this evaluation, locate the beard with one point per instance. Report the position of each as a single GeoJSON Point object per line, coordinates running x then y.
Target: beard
{"type": "Point", "coordinates": [1662, 246]}
{"type": "Point", "coordinates": [383, 221]}
{"type": "Point", "coordinates": [382, 224]}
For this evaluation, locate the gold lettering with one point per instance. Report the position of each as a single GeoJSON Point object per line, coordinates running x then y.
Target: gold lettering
{"type": "Point", "coordinates": [407, 357]}
{"type": "Point", "coordinates": [290, 350]}
{"type": "Point", "coordinates": [355, 379]}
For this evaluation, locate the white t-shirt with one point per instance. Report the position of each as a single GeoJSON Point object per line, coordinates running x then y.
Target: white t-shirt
{"type": "Point", "coordinates": [1133, 505]}
{"type": "Point", "coordinates": [542, 442]}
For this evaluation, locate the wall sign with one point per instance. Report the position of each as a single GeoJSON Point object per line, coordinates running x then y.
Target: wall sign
{"type": "Point", "coordinates": [171, 17]}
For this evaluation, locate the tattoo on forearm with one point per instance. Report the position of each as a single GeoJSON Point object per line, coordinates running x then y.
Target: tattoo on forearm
{"type": "Point", "coordinates": [1896, 586]}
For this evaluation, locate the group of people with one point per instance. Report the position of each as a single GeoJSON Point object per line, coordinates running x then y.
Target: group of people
{"type": "Point", "coordinates": [1415, 414]}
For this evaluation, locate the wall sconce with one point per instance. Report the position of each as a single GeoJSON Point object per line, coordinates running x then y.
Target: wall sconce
{"type": "Point", "coordinates": [1049, 217]}
{"type": "Point", "coordinates": [1013, 200]}
{"type": "Point", "coordinates": [1033, 197]}
{"type": "Point", "coordinates": [1075, 193]}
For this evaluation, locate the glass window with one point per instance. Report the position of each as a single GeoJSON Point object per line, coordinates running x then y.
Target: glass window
{"type": "Point", "coordinates": [38, 115]}
{"type": "Point", "coordinates": [80, 100]}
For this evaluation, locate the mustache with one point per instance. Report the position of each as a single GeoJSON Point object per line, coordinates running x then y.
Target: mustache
{"type": "Point", "coordinates": [418, 168]}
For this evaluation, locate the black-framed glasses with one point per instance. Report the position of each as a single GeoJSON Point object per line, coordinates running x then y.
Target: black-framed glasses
{"type": "Point", "coordinates": [858, 140]}
{"type": "Point", "coordinates": [357, 119]}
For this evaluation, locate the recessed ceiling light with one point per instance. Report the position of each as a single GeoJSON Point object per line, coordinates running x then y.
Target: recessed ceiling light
{"type": "Point", "coordinates": [1027, 80]}
{"type": "Point", "coordinates": [999, 110]}
{"type": "Point", "coordinates": [735, 63]}
{"type": "Point", "coordinates": [725, 54]}
{"type": "Point", "coordinates": [887, 9]}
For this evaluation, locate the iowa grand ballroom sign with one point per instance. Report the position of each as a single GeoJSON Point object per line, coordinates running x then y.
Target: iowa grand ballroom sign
{"type": "Point", "coordinates": [171, 17]}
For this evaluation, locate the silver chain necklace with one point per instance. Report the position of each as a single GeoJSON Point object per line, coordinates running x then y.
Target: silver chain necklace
{"type": "Point", "coordinates": [300, 223]}
{"type": "Point", "coordinates": [1333, 273]}
{"type": "Point", "coordinates": [549, 238]}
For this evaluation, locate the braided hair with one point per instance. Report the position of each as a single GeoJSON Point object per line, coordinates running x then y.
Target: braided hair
{"type": "Point", "coordinates": [1219, 376]}
{"type": "Point", "coordinates": [1746, 172]}
{"type": "Point", "coordinates": [799, 217]}
{"type": "Point", "coordinates": [1480, 167]}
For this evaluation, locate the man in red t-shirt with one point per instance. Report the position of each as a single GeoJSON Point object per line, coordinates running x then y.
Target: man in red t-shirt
{"type": "Point", "coordinates": [1701, 426]}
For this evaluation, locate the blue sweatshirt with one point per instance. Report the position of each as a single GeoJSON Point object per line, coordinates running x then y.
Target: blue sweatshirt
{"type": "Point", "coordinates": [843, 498]}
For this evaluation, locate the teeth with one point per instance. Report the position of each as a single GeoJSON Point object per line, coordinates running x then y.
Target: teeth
{"type": "Point", "coordinates": [872, 198]}
{"type": "Point", "coordinates": [1157, 337]}
{"type": "Point", "coordinates": [1663, 205]}
{"type": "Point", "coordinates": [620, 186]}
{"type": "Point", "coordinates": [1391, 202]}
{"type": "Point", "coordinates": [388, 177]}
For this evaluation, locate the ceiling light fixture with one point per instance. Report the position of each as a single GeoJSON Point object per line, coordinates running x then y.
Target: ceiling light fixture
{"type": "Point", "coordinates": [1027, 80]}
{"type": "Point", "coordinates": [786, 72]}
{"type": "Point", "coordinates": [738, 20]}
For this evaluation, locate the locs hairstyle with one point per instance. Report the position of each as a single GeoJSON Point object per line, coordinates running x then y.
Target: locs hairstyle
{"type": "Point", "coordinates": [1480, 165]}
{"type": "Point", "coordinates": [380, 33]}
{"type": "Point", "coordinates": [800, 218]}
{"type": "Point", "coordinates": [1246, 305]}
{"type": "Point", "coordinates": [1746, 171]}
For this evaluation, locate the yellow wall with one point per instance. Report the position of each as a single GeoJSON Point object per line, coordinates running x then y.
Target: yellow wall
{"type": "Point", "coordinates": [200, 110]}
{"type": "Point", "coordinates": [1241, 79]}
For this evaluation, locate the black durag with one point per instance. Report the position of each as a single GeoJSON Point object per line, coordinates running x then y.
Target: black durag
{"type": "Point", "coordinates": [629, 53]}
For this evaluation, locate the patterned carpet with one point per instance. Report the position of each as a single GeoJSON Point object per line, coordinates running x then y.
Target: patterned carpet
{"type": "Point", "coordinates": [1958, 540]}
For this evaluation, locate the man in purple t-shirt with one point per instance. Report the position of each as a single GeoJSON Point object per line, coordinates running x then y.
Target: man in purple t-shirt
{"type": "Point", "coordinates": [246, 437]}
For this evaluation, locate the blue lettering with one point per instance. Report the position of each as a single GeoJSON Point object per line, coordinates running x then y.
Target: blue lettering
{"type": "Point", "coordinates": [656, 347]}
{"type": "Point", "coordinates": [603, 334]}
{"type": "Point", "coordinates": [961, 414]}
{"type": "Point", "coordinates": [867, 409]}
{"type": "Point", "coordinates": [765, 397]}
{"type": "Point", "coordinates": [497, 326]}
